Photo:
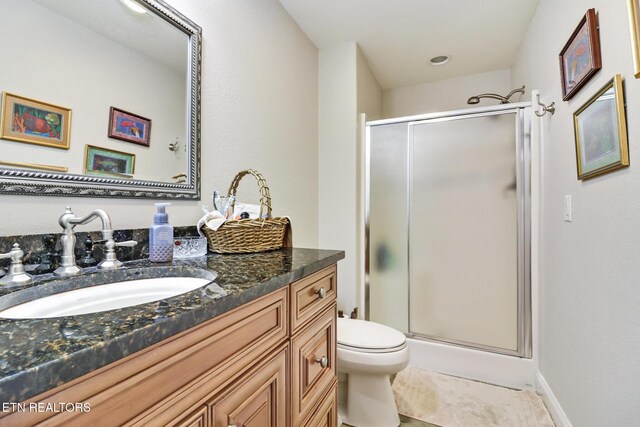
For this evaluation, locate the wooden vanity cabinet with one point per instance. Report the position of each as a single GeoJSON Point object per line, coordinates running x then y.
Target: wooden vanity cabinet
{"type": "Point", "coordinates": [270, 362]}
{"type": "Point", "coordinates": [258, 399]}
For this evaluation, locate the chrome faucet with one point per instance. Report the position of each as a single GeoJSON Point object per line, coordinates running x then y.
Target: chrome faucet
{"type": "Point", "coordinates": [16, 274]}
{"type": "Point", "coordinates": [68, 221]}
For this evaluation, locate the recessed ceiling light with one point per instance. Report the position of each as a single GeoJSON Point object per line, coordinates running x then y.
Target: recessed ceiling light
{"type": "Point", "coordinates": [439, 60]}
{"type": "Point", "coordinates": [134, 6]}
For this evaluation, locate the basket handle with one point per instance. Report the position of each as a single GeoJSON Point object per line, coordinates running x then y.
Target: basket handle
{"type": "Point", "coordinates": [265, 196]}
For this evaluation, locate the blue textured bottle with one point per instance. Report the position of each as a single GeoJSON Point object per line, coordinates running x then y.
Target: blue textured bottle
{"type": "Point", "coordinates": [161, 236]}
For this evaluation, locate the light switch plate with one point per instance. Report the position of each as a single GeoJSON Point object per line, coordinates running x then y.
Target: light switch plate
{"type": "Point", "coordinates": [567, 207]}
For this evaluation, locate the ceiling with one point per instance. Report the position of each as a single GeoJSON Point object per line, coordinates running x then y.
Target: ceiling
{"type": "Point", "coordinates": [147, 33]}
{"type": "Point", "coordinates": [398, 37]}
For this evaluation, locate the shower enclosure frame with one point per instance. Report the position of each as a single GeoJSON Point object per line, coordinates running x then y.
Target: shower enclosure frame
{"type": "Point", "coordinates": [522, 112]}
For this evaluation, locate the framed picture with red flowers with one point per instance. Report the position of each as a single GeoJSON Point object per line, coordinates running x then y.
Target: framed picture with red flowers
{"type": "Point", "coordinates": [34, 122]}
{"type": "Point", "coordinates": [580, 57]}
{"type": "Point", "coordinates": [129, 127]}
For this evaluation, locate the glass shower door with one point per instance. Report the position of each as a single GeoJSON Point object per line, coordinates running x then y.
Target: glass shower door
{"type": "Point", "coordinates": [463, 230]}
{"type": "Point", "coordinates": [388, 223]}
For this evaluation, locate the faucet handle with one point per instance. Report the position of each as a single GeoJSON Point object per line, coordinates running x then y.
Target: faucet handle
{"type": "Point", "coordinates": [110, 262]}
{"type": "Point", "coordinates": [16, 274]}
{"type": "Point", "coordinates": [15, 253]}
{"type": "Point", "coordinates": [127, 243]}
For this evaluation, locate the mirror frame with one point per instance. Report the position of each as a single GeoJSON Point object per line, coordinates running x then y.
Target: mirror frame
{"type": "Point", "coordinates": [15, 181]}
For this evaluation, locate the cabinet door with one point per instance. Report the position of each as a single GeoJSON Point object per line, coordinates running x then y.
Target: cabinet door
{"type": "Point", "coordinates": [313, 366]}
{"type": "Point", "coordinates": [257, 399]}
{"type": "Point", "coordinates": [327, 413]}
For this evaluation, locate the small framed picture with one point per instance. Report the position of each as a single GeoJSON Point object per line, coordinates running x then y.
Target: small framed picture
{"type": "Point", "coordinates": [104, 162]}
{"type": "Point", "coordinates": [35, 122]}
{"type": "Point", "coordinates": [580, 57]}
{"type": "Point", "coordinates": [634, 26]}
{"type": "Point", "coordinates": [601, 132]}
{"type": "Point", "coordinates": [129, 127]}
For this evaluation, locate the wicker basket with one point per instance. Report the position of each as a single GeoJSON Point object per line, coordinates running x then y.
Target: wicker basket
{"type": "Point", "coordinates": [249, 235]}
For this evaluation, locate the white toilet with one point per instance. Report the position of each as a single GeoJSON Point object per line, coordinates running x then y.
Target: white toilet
{"type": "Point", "coordinates": [368, 353]}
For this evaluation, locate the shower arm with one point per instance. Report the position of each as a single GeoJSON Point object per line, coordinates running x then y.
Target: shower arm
{"type": "Point", "coordinates": [503, 99]}
{"type": "Point", "coordinates": [519, 90]}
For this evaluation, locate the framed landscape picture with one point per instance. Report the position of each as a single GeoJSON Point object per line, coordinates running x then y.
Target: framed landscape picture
{"type": "Point", "coordinates": [129, 127]}
{"type": "Point", "coordinates": [580, 57]}
{"type": "Point", "coordinates": [601, 132]}
{"type": "Point", "coordinates": [633, 7]}
{"type": "Point", "coordinates": [35, 122]}
{"type": "Point", "coordinates": [104, 162]}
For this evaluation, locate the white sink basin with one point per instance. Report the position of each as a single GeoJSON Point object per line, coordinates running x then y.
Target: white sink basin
{"type": "Point", "coordinates": [106, 297]}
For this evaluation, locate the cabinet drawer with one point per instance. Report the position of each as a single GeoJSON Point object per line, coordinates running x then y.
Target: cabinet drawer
{"type": "Point", "coordinates": [327, 413]}
{"type": "Point", "coordinates": [311, 295]}
{"type": "Point", "coordinates": [313, 367]}
{"type": "Point", "coordinates": [257, 399]}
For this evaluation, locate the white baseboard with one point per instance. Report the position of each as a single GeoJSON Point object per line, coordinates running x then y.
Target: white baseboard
{"type": "Point", "coordinates": [553, 406]}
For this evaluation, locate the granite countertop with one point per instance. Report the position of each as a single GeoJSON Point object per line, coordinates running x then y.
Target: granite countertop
{"type": "Point", "coordinates": [39, 354]}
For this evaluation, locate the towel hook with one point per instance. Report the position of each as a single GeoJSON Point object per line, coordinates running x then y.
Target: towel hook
{"type": "Point", "coordinates": [551, 108]}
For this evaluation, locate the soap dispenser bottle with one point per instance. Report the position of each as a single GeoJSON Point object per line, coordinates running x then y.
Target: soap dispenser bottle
{"type": "Point", "coordinates": [161, 236]}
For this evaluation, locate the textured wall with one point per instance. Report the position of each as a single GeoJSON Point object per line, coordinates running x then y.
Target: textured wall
{"type": "Point", "coordinates": [347, 87]}
{"type": "Point", "coordinates": [338, 162]}
{"type": "Point", "coordinates": [589, 340]}
{"type": "Point", "coordinates": [259, 110]}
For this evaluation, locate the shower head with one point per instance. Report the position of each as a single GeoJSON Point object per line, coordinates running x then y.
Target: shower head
{"type": "Point", "coordinates": [503, 99]}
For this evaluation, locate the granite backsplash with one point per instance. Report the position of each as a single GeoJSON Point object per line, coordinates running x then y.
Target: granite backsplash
{"type": "Point", "coordinates": [42, 251]}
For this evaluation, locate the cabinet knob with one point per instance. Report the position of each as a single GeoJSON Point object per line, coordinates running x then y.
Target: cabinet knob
{"type": "Point", "coordinates": [323, 361]}
{"type": "Point", "coordinates": [321, 293]}
{"type": "Point", "coordinates": [233, 425]}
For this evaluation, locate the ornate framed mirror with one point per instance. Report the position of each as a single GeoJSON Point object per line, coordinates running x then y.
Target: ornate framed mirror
{"type": "Point", "coordinates": [100, 99]}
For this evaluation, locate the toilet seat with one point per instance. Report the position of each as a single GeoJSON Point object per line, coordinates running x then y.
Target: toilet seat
{"type": "Point", "coordinates": [372, 350]}
{"type": "Point", "coordinates": [368, 337]}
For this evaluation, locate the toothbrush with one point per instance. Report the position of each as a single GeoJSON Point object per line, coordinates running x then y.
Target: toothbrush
{"type": "Point", "coordinates": [215, 196]}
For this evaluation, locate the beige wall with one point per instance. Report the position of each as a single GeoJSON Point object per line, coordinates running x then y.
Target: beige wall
{"type": "Point", "coordinates": [369, 93]}
{"type": "Point", "coordinates": [589, 296]}
{"type": "Point", "coordinates": [337, 161]}
{"type": "Point", "coordinates": [445, 95]}
{"type": "Point", "coordinates": [347, 88]}
{"type": "Point", "coordinates": [259, 110]}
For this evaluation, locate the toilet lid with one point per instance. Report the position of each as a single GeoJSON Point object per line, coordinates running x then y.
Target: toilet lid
{"type": "Point", "coordinates": [368, 335]}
